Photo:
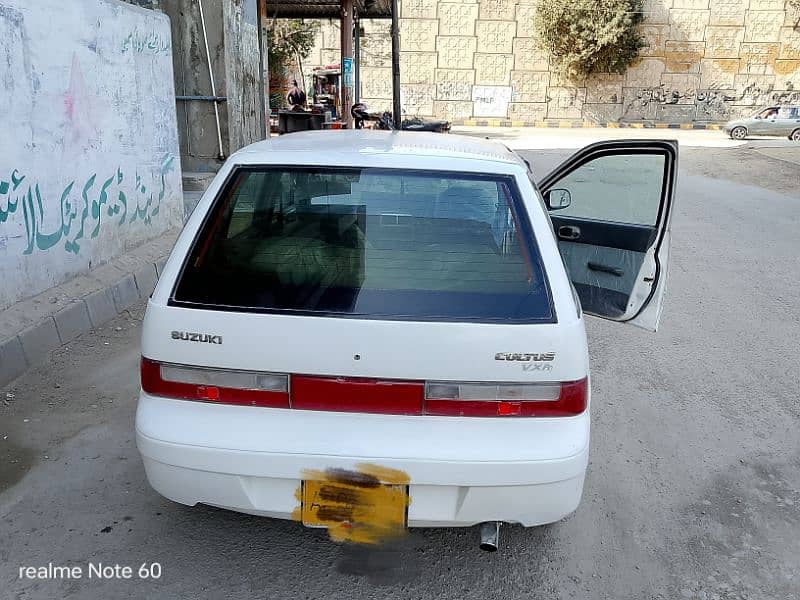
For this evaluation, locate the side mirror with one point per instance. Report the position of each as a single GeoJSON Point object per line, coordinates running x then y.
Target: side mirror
{"type": "Point", "coordinates": [557, 198]}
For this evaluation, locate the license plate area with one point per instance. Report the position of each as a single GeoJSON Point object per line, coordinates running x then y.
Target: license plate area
{"type": "Point", "coordinates": [352, 504]}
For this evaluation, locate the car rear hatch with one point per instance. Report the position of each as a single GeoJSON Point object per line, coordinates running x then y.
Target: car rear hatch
{"type": "Point", "coordinates": [366, 290]}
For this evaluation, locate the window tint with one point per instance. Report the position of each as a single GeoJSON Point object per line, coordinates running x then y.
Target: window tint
{"type": "Point", "coordinates": [370, 243]}
{"type": "Point", "coordinates": [625, 188]}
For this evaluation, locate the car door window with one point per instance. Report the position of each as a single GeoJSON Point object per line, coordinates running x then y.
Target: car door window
{"type": "Point", "coordinates": [768, 113]}
{"type": "Point", "coordinates": [617, 187]}
{"type": "Point", "coordinates": [613, 230]}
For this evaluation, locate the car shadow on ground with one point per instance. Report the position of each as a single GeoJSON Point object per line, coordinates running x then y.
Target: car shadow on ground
{"type": "Point", "coordinates": [417, 557]}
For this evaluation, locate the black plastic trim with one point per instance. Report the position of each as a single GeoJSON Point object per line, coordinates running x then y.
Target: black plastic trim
{"type": "Point", "coordinates": [608, 233]}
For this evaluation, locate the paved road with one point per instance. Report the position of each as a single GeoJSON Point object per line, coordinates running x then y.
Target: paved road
{"type": "Point", "coordinates": [693, 489]}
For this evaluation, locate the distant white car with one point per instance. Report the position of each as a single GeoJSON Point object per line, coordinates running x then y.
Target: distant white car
{"type": "Point", "coordinates": [386, 328]}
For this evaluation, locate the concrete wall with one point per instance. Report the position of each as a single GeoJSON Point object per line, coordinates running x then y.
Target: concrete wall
{"type": "Point", "coordinates": [231, 28]}
{"type": "Point", "coordinates": [89, 152]}
{"type": "Point", "coordinates": [196, 122]}
{"type": "Point", "coordinates": [243, 73]}
{"type": "Point", "coordinates": [707, 60]}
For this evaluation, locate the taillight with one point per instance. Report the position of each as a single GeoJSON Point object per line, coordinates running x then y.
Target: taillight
{"type": "Point", "coordinates": [505, 399]}
{"type": "Point", "coordinates": [247, 388]}
{"type": "Point", "coordinates": [350, 394]}
{"type": "Point", "coordinates": [364, 395]}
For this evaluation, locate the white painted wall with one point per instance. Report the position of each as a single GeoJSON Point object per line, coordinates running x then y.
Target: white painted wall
{"type": "Point", "coordinates": [89, 160]}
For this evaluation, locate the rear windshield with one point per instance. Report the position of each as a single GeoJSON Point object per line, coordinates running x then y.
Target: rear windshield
{"type": "Point", "coordinates": [368, 243]}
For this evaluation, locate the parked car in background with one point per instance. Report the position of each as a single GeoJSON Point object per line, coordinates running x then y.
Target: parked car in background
{"type": "Point", "coordinates": [778, 120]}
{"type": "Point", "coordinates": [387, 327]}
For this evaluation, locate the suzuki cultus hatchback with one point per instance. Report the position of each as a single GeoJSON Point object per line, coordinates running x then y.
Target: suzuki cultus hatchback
{"type": "Point", "coordinates": [368, 329]}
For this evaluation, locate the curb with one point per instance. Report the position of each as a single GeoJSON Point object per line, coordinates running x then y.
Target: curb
{"type": "Point", "coordinates": [582, 124]}
{"type": "Point", "coordinates": [31, 329]}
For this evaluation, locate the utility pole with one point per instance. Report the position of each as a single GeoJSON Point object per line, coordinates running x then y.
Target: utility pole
{"type": "Point", "coordinates": [346, 66]}
{"type": "Point", "coordinates": [396, 108]}
{"type": "Point", "coordinates": [264, 65]}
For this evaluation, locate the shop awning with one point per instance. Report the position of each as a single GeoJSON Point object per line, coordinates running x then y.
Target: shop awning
{"type": "Point", "coordinates": [327, 9]}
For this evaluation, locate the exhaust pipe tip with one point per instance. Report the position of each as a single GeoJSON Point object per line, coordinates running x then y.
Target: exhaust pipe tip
{"type": "Point", "coordinates": [490, 536]}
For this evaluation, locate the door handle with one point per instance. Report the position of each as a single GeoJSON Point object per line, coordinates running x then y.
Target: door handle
{"type": "Point", "coordinates": [569, 232]}
{"type": "Point", "coordinates": [593, 266]}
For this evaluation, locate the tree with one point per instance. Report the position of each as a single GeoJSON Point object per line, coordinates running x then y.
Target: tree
{"type": "Point", "coordinates": [288, 40]}
{"type": "Point", "coordinates": [586, 37]}
{"type": "Point", "coordinates": [794, 5]}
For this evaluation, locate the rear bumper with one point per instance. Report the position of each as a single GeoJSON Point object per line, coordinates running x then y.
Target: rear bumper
{"type": "Point", "coordinates": [461, 471]}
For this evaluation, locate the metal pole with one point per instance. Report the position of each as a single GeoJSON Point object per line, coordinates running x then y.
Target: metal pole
{"type": "Point", "coordinates": [263, 67]}
{"type": "Point", "coordinates": [203, 98]}
{"type": "Point", "coordinates": [396, 108]}
{"type": "Point", "coordinates": [211, 77]}
{"type": "Point", "coordinates": [347, 53]}
{"type": "Point", "coordinates": [357, 61]}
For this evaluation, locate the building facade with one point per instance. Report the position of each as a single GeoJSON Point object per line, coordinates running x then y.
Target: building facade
{"type": "Point", "coordinates": [706, 61]}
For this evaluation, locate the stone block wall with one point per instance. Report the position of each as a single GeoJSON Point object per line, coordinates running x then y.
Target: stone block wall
{"type": "Point", "coordinates": [706, 61]}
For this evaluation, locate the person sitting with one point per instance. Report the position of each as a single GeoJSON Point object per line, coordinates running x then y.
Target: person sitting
{"type": "Point", "coordinates": [296, 97]}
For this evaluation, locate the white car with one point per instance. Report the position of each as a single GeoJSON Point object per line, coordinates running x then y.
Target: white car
{"type": "Point", "coordinates": [369, 331]}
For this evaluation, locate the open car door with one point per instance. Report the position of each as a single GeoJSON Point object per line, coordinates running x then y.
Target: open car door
{"type": "Point", "coordinates": [611, 205]}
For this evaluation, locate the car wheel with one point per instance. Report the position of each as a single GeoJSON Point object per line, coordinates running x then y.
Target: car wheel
{"type": "Point", "coordinates": [795, 137]}
{"type": "Point", "coordinates": [738, 133]}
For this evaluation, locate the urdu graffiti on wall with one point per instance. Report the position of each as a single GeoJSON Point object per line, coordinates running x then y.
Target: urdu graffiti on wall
{"type": "Point", "coordinates": [149, 42]}
{"type": "Point", "coordinates": [700, 104]}
{"type": "Point", "coordinates": [127, 199]}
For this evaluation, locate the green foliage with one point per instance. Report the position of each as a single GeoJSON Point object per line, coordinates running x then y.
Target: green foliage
{"type": "Point", "coordinates": [794, 6]}
{"type": "Point", "coordinates": [586, 37]}
{"type": "Point", "coordinates": [288, 41]}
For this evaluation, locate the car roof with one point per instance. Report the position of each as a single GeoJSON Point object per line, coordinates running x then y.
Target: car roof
{"type": "Point", "coordinates": [333, 144]}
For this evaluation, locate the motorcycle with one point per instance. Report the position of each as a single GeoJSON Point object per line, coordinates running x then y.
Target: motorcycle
{"type": "Point", "coordinates": [385, 121]}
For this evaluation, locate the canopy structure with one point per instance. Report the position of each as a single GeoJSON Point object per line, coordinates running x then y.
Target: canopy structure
{"type": "Point", "coordinates": [348, 12]}
{"type": "Point", "coordinates": [327, 9]}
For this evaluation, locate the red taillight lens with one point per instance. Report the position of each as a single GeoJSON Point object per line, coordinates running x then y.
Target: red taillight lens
{"type": "Point", "coordinates": [365, 395]}
{"type": "Point", "coordinates": [350, 394]}
{"type": "Point", "coordinates": [506, 400]}
{"type": "Point", "coordinates": [211, 385]}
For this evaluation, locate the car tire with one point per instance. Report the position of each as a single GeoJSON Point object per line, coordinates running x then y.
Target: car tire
{"type": "Point", "coordinates": [738, 133]}
{"type": "Point", "coordinates": [795, 136]}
